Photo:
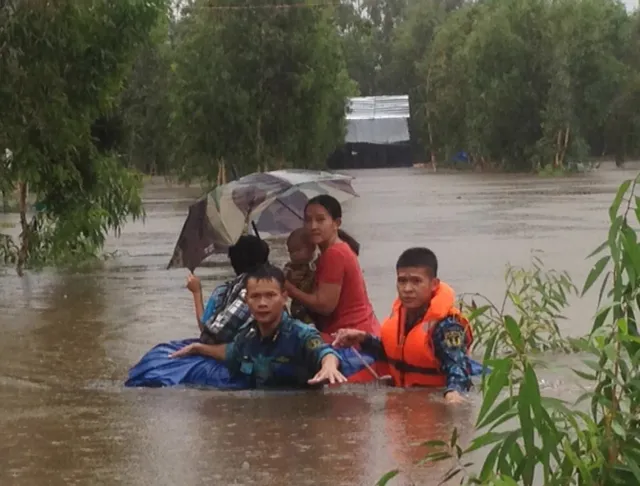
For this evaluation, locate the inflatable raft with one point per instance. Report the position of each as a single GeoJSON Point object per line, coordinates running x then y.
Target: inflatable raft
{"type": "Point", "coordinates": [156, 369]}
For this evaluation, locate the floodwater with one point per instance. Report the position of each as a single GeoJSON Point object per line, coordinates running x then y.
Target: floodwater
{"type": "Point", "coordinates": [69, 339]}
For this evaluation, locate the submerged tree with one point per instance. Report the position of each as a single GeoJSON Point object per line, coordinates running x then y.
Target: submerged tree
{"type": "Point", "coordinates": [63, 65]}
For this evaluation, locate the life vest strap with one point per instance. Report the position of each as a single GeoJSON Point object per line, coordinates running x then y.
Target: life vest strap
{"type": "Point", "coordinates": [403, 367]}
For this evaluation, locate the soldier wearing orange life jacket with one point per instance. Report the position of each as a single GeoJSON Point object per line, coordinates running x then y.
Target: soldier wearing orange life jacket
{"type": "Point", "coordinates": [425, 340]}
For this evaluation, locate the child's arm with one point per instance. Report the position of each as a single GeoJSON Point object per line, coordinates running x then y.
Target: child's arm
{"type": "Point", "coordinates": [195, 287]}
{"type": "Point", "coordinates": [298, 310]}
{"type": "Point", "coordinates": [294, 275]}
{"type": "Point", "coordinates": [308, 281]}
{"type": "Point", "coordinates": [199, 306]}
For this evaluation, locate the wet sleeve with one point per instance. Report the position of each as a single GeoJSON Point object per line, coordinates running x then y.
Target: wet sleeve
{"type": "Point", "coordinates": [232, 354]}
{"type": "Point", "coordinates": [314, 348]}
{"type": "Point", "coordinates": [213, 303]}
{"type": "Point", "coordinates": [449, 341]}
{"type": "Point", "coordinates": [373, 346]}
{"type": "Point", "coordinates": [331, 269]}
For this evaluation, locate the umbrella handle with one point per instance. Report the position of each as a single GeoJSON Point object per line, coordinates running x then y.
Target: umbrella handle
{"type": "Point", "coordinates": [255, 228]}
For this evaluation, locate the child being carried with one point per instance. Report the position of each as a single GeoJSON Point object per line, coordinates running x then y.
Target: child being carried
{"type": "Point", "coordinates": [300, 270]}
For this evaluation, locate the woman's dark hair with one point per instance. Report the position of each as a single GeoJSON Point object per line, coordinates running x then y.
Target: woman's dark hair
{"type": "Point", "coordinates": [333, 207]}
{"type": "Point", "coordinates": [330, 203]}
{"type": "Point", "coordinates": [249, 253]}
{"type": "Point", "coordinates": [349, 240]}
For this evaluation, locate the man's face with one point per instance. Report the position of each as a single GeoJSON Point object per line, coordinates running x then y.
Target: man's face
{"type": "Point", "coordinates": [415, 287]}
{"type": "Point", "coordinates": [266, 300]}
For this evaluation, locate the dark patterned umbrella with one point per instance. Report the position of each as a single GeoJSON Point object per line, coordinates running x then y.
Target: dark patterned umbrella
{"type": "Point", "coordinates": [272, 201]}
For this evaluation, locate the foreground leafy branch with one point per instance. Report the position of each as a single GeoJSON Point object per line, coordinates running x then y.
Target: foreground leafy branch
{"type": "Point", "coordinates": [532, 439]}
{"type": "Point", "coordinates": [537, 299]}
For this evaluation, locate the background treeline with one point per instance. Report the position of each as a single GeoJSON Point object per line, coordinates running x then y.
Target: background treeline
{"type": "Point", "coordinates": [517, 84]}
{"type": "Point", "coordinates": [94, 92]}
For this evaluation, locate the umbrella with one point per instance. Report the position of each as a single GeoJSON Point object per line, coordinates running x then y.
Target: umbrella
{"type": "Point", "coordinates": [273, 202]}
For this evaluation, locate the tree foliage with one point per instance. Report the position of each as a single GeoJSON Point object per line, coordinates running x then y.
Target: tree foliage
{"type": "Point", "coordinates": [93, 91]}
{"type": "Point", "coordinates": [258, 87]}
{"type": "Point", "coordinates": [146, 109]}
{"type": "Point", "coordinates": [530, 438]}
{"type": "Point", "coordinates": [62, 65]}
{"type": "Point", "coordinates": [520, 85]}
{"type": "Point", "coordinates": [524, 84]}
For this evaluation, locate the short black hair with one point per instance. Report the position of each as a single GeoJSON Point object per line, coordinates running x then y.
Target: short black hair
{"type": "Point", "coordinates": [419, 257]}
{"type": "Point", "coordinates": [299, 238]}
{"type": "Point", "coordinates": [248, 253]}
{"type": "Point", "coordinates": [267, 272]}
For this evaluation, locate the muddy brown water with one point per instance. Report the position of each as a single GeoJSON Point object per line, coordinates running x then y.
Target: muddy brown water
{"type": "Point", "coordinates": [68, 339]}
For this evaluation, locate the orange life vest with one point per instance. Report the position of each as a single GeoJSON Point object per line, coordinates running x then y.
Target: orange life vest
{"type": "Point", "coordinates": [412, 359]}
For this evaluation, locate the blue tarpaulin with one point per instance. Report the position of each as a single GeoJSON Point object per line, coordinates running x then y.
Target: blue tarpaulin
{"type": "Point", "coordinates": [156, 369]}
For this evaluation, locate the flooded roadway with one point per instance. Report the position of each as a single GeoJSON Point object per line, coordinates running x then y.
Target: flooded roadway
{"type": "Point", "coordinates": [69, 339]}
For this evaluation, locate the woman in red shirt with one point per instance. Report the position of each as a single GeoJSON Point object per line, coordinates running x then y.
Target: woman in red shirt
{"type": "Point", "coordinates": [340, 296]}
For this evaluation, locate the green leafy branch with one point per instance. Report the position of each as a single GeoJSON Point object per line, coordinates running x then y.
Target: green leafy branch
{"type": "Point", "coordinates": [537, 296]}
{"type": "Point", "coordinates": [533, 439]}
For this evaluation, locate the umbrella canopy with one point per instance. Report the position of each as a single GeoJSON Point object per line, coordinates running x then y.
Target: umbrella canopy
{"type": "Point", "coordinates": [273, 201]}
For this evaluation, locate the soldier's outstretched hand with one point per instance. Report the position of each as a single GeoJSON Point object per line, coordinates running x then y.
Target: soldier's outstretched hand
{"type": "Point", "coordinates": [329, 372]}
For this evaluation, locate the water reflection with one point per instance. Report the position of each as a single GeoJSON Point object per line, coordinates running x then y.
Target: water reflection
{"type": "Point", "coordinates": [71, 339]}
{"type": "Point", "coordinates": [255, 438]}
{"type": "Point", "coordinates": [416, 416]}
{"type": "Point", "coordinates": [49, 423]}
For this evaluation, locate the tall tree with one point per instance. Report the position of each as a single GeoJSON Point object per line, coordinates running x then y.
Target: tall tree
{"type": "Point", "coordinates": [146, 108]}
{"type": "Point", "coordinates": [622, 125]}
{"type": "Point", "coordinates": [63, 64]}
{"type": "Point", "coordinates": [522, 84]}
{"type": "Point", "coordinates": [259, 86]}
{"type": "Point", "coordinates": [411, 40]}
{"type": "Point", "coordinates": [356, 39]}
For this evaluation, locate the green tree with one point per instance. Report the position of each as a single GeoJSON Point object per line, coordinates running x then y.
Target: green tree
{"type": "Point", "coordinates": [525, 84]}
{"type": "Point", "coordinates": [356, 39]}
{"type": "Point", "coordinates": [386, 16]}
{"type": "Point", "coordinates": [63, 64]}
{"type": "Point", "coordinates": [412, 40]}
{"type": "Point", "coordinates": [146, 107]}
{"type": "Point", "coordinates": [530, 438]}
{"type": "Point", "coordinates": [258, 87]}
{"type": "Point", "coordinates": [622, 126]}
{"type": "Point", "coordinates": [444, 82]}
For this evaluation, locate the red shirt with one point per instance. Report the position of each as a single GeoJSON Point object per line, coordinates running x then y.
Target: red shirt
{"type": "Point", "coordinates": [338, 264]}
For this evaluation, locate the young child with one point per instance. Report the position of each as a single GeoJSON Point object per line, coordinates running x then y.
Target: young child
{"type": "Point", "coordinates": [300, 270]}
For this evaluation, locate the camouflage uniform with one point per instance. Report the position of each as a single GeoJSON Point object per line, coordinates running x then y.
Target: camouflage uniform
{"type": "Point", "coordinates": [288, 358]}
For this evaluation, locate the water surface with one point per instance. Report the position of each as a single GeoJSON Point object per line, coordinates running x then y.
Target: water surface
{"type": "Point", "coordinates": [69, 338]}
